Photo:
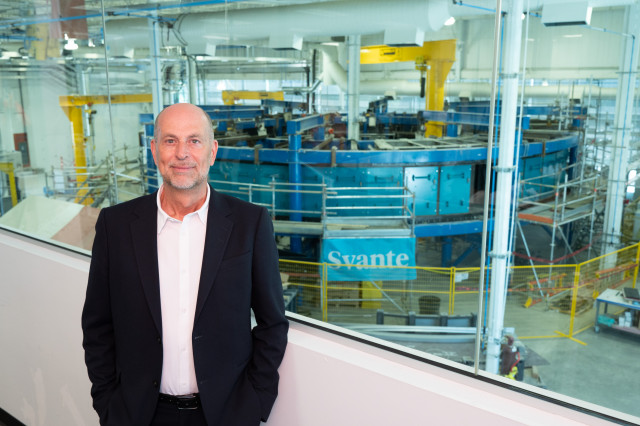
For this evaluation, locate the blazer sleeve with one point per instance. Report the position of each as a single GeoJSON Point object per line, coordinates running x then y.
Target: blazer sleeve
{"type": "Point", "coordinates": [270, 334]}
{"type": "Point", "coordinates": [97, 326]}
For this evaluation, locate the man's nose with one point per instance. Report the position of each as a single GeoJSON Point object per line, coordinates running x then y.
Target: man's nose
{"type": "Point", "coordinates": [182, 150]}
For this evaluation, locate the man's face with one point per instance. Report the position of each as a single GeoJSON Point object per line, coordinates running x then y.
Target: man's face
{"type": "Point", "coordinates": [184, 149]}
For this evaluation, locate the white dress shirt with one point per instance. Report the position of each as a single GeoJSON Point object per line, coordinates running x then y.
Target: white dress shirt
{"type": "Point", "coordinates": [180, 251]}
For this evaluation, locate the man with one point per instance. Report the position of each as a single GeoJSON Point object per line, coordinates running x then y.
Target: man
{"type": "Point", "coordinates": [173, 278]}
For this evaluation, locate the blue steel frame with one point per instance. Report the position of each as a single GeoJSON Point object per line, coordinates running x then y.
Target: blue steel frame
{"type": "Point", "coordinates": [377, 158]}
{"type": "Point", "coordinates": [294, 129]}
{"type": "Point", "coordinates": [295, 157]}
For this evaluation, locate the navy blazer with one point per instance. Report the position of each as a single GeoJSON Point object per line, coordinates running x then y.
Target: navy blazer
{"type": "Point", "coordinates": [236, 366]}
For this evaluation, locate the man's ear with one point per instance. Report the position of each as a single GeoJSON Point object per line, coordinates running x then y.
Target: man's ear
{"type": "Point", "coordinates": [153, 151]}
{"type": "Point", "coordinates": [214, 152]}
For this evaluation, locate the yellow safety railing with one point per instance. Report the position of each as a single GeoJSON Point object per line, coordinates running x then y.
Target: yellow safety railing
{"type": "Point", "coordinates": [544, 301]}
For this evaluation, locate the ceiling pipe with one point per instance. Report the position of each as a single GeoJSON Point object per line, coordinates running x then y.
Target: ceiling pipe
{"type": "Point", "coordinates": [287, 27]}
{"type": "Point", "coordinates": [333, 73]}
{"type": "Point", "coordinates": [483, 90]}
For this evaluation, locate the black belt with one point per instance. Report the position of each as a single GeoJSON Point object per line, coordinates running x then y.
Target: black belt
{"type": "Point", "coordinates": [183, 402]}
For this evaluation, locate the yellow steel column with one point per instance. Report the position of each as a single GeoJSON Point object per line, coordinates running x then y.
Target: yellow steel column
{"type": "Point", "coordinates": [8, 169]}
{"type": "Point", "coordinates": [74, 113]}
{"type": "Point", "coordinates": [436, 73]}
{"type": "Point", "coordinates": [574, 299]}
{"type": "Point", "coordinates": [635, 270]}
{"type": "Point", "coordinates": [452, 288]}
{"type": "Point", "coordinates": [324, 293]}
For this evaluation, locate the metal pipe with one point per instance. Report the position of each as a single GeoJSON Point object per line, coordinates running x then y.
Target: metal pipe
{"type": "Point", "coordinates": [487, 193]}
{"type": "Point", "coordinates": [616, 188]}
{"type": "Point", "coordinates": [295, 178]}
{"type": "Point", "coordinates": [503, 218]}
{"type": "Point", "coordinates": [353, 88]}
{"type": "Point", "coordinates": [193, 80]}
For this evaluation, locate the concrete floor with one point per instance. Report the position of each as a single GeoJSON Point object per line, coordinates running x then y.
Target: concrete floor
{"type": "Point", "coordinates": [604, 372]}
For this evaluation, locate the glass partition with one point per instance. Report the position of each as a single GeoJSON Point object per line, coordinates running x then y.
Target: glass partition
{"type": "Point", "coordinates": [440, 178]}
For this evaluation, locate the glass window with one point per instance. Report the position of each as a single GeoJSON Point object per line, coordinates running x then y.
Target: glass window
{"type": "Point", "coordinates": [463, 189]}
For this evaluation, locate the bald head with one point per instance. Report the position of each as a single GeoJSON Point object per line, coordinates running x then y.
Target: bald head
{"type": "Point", "coordinates": [180, 109]}
{"type": "Point", "coordinates": [184, 149]}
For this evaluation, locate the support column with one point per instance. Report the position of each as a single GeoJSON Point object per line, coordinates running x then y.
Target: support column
{"type": "Point", "coordinates": [156, 85]}
{"type": "Point", "coordinates": [447, 252]}
{"type": "Point", "coordinates": [616, 185]}
{"type": "Point", "coordinates": [353, 87]}
{"type": "Point", "coordinates": [193, 80]}
{"type": "Point", "coordinates": [295, 197]}
{"type": "Point", "coordinates": [156, 74]}
{"type": "Point", "coordinates": [505, 172]}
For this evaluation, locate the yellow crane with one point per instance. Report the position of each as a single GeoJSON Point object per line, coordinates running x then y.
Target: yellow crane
{"type": "Point", "coordinates": [72, 107]}
{"type": "Point", "coordinates": [229, 97]}
{"type": "Point", "coordinates": [433, 59]}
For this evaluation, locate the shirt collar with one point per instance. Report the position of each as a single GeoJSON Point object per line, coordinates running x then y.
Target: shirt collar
{"type": "Point", "coordinates": [163, 217]}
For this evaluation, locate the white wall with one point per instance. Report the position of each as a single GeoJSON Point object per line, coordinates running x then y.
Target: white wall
{"type": "Point", "coordinates": [10, 118]}
{"type": "Point", "coordinates": [41, 362]}
{"type": "Point", "coordinates": [554, 53]}
{"type": "Point", "coordinates": [326, 379]}
{"type": "Point", "coordinates": [48, 128]}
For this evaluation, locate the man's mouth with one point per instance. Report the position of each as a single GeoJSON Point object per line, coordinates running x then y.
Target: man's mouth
{"type": "Point", "coordinates": [182, 167]}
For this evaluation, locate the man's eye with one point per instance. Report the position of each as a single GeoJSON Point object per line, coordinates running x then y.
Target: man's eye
{"type": "Point", "coordinates": [195, 141]}
{"type": "Point", "coordinates": [169, 141]}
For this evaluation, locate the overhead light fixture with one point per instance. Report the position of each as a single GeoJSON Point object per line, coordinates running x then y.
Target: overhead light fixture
{"type": "Point", "coordinates": [450, 21]}
{"type": "Point", "coordinates": [575, 12]}
{"type": "Point", "coordinates": [572, 35]}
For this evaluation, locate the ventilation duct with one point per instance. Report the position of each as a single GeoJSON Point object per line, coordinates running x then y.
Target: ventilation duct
{"type": "Point", "coordinates": [401, 22]}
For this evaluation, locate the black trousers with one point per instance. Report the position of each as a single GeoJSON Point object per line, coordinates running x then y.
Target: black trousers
{"type": "Point", "coordinates": [170, 415]}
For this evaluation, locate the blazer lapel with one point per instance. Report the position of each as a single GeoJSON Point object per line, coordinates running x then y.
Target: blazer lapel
{"type": "Point", "coordinates": [218, 231]}
{"type": "Point", "coordinates": [145, 240]}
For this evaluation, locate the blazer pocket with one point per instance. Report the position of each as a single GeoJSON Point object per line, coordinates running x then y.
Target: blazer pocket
{"type": "Point", "coordinates": [234, 261]}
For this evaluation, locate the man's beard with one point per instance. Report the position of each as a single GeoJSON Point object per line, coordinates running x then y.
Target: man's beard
{"type": "Point", "coordinates": [184, 186]}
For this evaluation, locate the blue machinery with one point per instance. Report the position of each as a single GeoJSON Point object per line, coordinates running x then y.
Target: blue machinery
{"type": "Point", "coordinates": [310, 177]}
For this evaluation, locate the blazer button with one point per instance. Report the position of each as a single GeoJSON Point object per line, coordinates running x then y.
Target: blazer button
{"type": "Point", "coordinates": [155, 384]}
{"type": "Point", "coordinates": [159, 340]}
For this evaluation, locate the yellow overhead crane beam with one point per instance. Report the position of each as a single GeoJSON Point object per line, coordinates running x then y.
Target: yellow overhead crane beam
{"type": "Point", "coordinates": [229, 97]}
{"type": "Point", "coordinates": [72, 107]}
{"type": "Point", "coordinates": [434, 60]}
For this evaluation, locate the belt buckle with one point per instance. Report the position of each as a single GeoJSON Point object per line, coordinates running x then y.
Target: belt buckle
{"type": "Point", "coordinates": [188, 402]}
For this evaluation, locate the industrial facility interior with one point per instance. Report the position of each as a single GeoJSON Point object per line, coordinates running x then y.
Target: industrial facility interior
{"type": "Point", "coordinates": [452, 186]}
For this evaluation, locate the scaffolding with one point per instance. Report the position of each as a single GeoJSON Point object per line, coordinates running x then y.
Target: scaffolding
{"type": "Point", "coordinates": [572, 198]}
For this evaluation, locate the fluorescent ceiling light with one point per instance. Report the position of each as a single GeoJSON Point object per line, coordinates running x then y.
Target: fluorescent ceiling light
{"type": "Point", "coordinates": [450, 21]}
{"type": "Point", "coordinates": [572, 35]}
